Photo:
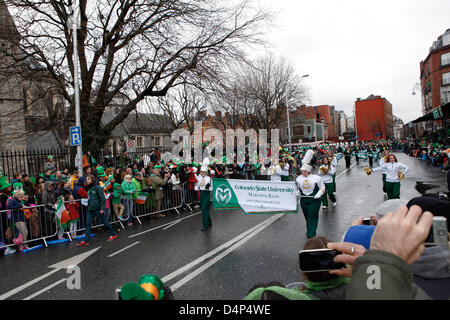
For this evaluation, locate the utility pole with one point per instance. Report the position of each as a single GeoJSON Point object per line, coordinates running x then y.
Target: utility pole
{"type": "Point", "coordinates": [75, 25]}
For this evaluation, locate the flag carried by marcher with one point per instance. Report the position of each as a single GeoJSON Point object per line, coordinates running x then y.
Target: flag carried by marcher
{"type": "Point", "coordinates": [61, 213]}
{"type": "Point", "coordinates": [108, 184]}
{"type": "Point", "coordinates": [142, 196]}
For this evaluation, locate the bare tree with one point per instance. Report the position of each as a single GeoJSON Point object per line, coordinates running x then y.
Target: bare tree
{"type": "Point", "coordinates": [179, 107]}
{"type": "Point", "coordinates": [140, 48]}
{"type": "Point", "coordinates": [258, 93]}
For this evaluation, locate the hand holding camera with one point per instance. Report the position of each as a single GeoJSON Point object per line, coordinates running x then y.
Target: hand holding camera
{"type": "Point", "coordinates": [403, 233]}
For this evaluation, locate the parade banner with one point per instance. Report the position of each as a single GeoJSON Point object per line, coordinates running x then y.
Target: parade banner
{"type": "Point", "coordinates": [255, 196]}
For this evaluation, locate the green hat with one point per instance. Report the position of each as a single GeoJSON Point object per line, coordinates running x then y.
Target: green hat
{"type": "Point", "coordinates": [157, 167]}
{"type": "Point", "coordinates": [50, 157]}
{"type": "Point", "coordinates": [17, 185]}
{"type": "Point", "coordinates": [4, 183]}
{"type": "Point", "coordinates": [32, 179]}
{"type": "Point", "coordinates": [149, 287]}
{"type": "Point", "coordinates": [101, 171]}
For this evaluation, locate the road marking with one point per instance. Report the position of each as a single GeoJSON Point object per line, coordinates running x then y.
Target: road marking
{"type": "Point", "coordinates": [218, 249]}
{"type": "Point", "coordinates": [222, 255]}
{"type": "Point", "coordinates": [26, 285]}
{"type": "Point", "coordinates": [121, 250]}
{"type": "Point", "coordinates": [45, 289]}
{"type": "Point", "coordinates": [65, 264]}
{"type": "Point", "coordinates": [171, 225]}
{"type": "Point", "coordinates": [346, 170]}
{"type": "Point", "coordinates": [163, 225]}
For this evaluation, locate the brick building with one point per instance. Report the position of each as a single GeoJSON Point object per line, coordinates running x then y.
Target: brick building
{"type": "Point", "coordinates": [374, 119]}
{"type": "Point", "coordinates": [323, 114]}
{"type": "Point", "coordinates": [435, 74]}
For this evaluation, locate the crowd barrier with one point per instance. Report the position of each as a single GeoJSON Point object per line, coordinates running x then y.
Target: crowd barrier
{"type": "Point", "coordinates": [39, 227]}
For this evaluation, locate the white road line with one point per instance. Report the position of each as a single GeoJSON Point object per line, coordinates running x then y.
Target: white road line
{"type": "Point", "coordinates": [218, 249]}
{"type": "Point", "coordinates": [346, 170]}
{"type": "Point", "coordinates": [171, 225]}
{"type": "Point", "coordinates": [121, 250]}
{"type": "Point", "coordinates": [45, 289]}
{"type": "Point", "coordinates": [26, 285]}
{"type": "Point", "coordinates": [221, 256]}
{"type": "Point", "coordinates": [163, 225]}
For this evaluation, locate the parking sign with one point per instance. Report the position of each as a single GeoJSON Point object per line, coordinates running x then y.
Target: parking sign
{"type": "Point", "coordinates": [75, 136]}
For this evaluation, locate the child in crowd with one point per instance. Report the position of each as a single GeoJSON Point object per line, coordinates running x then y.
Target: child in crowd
{"type": "Point", "coordinates": [72, 208]}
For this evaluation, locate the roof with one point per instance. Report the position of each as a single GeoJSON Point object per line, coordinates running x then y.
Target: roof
{"type": "Point", "coordinates": [139, 123]}
{"type": "Point", "coordinates": [8, 30]}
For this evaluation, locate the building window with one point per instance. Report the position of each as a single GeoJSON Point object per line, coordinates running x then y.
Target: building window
{"type": "Point", "coordinates": [446, 39]}
{"type": "Point", "coordinates": [445, 59]}
{"type": "Point", "coordinates": [140, 142]}
{"type": "Point", "coordinates": [445, 97]}
{"type": "Point", "coordinates": [308, 130]}
{"type": "Point", "coordinates": [446, 78]}
{"type": "Point", "coordinates": [299, 131]}
{"type": "Point", "coordinates": [157, 141]}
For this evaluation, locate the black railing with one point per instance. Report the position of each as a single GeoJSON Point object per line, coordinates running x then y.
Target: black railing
{"type": "Point", "coordinates": [32, 162]}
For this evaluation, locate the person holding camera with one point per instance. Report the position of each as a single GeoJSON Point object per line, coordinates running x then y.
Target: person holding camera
{"type": "Point", "coordinates": [383, 272]}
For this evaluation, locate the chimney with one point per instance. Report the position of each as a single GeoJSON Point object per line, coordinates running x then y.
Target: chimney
{"type": "Point", "coordinates": [358, 99]}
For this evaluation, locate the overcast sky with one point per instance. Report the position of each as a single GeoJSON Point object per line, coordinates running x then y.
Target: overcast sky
{"type": "Point", "coordinates": [354, 48]}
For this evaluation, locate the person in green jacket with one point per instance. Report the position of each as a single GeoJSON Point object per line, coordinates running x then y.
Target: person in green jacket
{"type": "Point", "coordinates": [115, 201]}
{"type": "Point", "coordinates": [157, 184]}
{"type": "Point", "coordinates": [128, 190]}
{"type": "Point", "coordinates": [96, 207]}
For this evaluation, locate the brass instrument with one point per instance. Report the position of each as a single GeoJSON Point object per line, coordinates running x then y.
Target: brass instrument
{"type": "Point", "coordinates": [401, 176]}
{"type": "Point", "coordinates": [368, 171]}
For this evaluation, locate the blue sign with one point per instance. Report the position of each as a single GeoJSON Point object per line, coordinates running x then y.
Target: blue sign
{"type": "Point", "coordinates": [75, 136]}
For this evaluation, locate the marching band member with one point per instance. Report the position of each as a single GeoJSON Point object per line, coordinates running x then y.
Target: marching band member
{"type": "Point", "coordinates": [275, 172]}
{"type": "Point", "coordinates": [311, 190]}
{"type": "Point", "coordinates": [395, 172]}
{"type": "Point", "coordinates": [203, 185]}
{"type": "Point", "coordinates": [334, 163]}
{"type": "Point", "coordinates": [326, 173]}
{"type": "Point", "coordinates": [284, 166]}
{"type": "Point", "coordinates": [383, 160]}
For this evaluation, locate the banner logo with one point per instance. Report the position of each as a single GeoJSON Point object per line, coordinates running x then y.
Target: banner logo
{"type": "Point", "coordinates": [223, 194]}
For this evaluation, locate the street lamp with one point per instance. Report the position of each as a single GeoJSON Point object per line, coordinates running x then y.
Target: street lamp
{"type": "Point", "coordinates": [73, 23]}
{"type": "Point", "coordinates": [287, 114]}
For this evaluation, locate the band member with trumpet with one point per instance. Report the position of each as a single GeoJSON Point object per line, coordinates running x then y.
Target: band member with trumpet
{"type": "Point", "coordinates": [311, 190]}
{"type": "Point", "coordinates": [326, 173]}
{"type": "Point", "coordinates": [395, 172]}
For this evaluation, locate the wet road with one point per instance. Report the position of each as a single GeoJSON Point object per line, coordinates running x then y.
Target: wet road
{"type": "Point", "coordinates": [222, 263]}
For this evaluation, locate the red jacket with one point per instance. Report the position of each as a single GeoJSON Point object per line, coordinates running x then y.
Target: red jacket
{"type": "Point", "coordinates": [72, 207]}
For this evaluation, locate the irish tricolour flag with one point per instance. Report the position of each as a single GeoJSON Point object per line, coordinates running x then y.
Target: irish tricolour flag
{"type": "Point", "coordinates": [142, 196]}
{"type": "Point", "coordinates": [62, 214]}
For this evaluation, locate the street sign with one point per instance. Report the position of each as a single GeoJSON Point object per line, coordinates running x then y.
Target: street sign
{"type": "Point", "coordinates": [131, 145]}
{"type": "Point", "coordinates": [75, 136]}
{"type": "Point", "coordinates": [437, 113]}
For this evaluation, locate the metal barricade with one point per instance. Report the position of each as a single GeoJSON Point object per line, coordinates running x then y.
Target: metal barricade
{"type": "Point", "coordinates": [158, 200]}
{"type": "Point", "coordinates": [27, 225]}
{"type": "Point", "coordinates": [191, 197]}
{"type": "Point", "coordinates": [83, 212]}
